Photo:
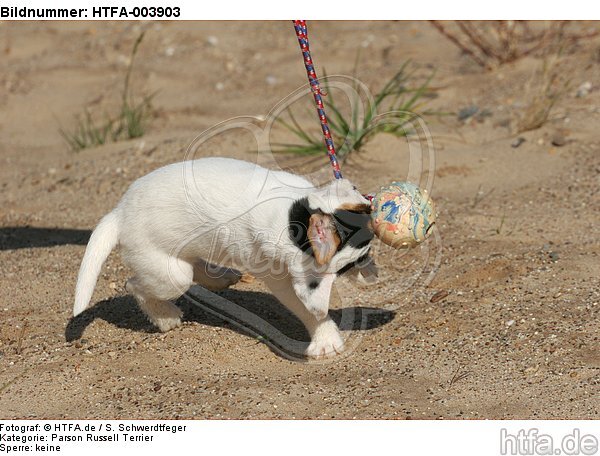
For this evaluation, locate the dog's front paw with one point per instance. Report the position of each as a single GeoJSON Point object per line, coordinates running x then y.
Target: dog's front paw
{"type": "Point", "coordinates": [327, 341]}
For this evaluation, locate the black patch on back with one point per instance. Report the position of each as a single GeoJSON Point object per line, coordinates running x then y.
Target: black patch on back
{"type": "Point", "coordinates": [353, 228]}
{"type": "Point", "coordinates": [313, 284]}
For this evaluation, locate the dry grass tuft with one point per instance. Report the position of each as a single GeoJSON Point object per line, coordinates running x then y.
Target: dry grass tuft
{"type": "Point", "coordinates": [493, 43]}
{"type": "Point", "coordinates": [547, 86]}
{"type": "Point", "coordinates": [128, 123]}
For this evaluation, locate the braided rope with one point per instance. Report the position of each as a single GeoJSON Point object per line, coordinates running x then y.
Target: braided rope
{"type": "Point", "coordinates": [302, 34]}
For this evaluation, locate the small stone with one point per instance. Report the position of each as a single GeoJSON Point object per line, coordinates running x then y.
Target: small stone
{"type": "Point", "coordinates": [510, 323]}
{"type": "Point", "coordinates": [271, 80]}
{"type": "Point", "coordinates": [112, 285]}
{"type": "Point", "coordinates": [169, 51]}
{"type": "Point", "coordinates": [219, 86]}
{"type": "Point", "coordinates": [558, 139]}
{"type": "Point", "coordinates": [532, 369]}
{"type": "Point", "coordinates": [212, 40]}
{"type": "Point", "coordinates": [554, 256]}
{"type": "Point", "coordinates": [517, 142]}
{"type": "Point", "coordinates": [467, 112]}
{"type": "Point", "coordinates": [483, 114]}
{"type": "Point", "coordinates": [112, 355]}
{"type": "Point", "coordinates": [439, 296]}
{"type": "Point", "coordinates": [584, 89]}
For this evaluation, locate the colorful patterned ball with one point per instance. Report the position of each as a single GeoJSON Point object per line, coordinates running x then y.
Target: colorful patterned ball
{"type": "Point", "coordinates": [402, 214]}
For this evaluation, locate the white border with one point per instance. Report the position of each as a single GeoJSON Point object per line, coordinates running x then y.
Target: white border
{"type": "Point", "coordinates": [302, 438]}
{"type": "Point", "coordinates": [348, 10]}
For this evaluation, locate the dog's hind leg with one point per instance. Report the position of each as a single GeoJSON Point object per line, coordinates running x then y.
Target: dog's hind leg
{"type": "Point", "coordinates": [161, 280]}
{"type": "Point", "coordinates": [163, 314]}
{"type": "Point", "coordinates": [213, 277]}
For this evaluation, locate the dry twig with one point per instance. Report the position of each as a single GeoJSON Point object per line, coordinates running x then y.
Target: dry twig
{"type": "Point", "coordinates": [493, 43]}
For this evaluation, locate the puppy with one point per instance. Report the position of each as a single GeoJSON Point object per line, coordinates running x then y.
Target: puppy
{"type": "Point", "coordinates": [205, 221]}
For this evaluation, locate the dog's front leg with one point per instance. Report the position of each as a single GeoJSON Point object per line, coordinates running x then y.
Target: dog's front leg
{"type": "Point", "coordinates": [314, 292]}
{"type": "Point", "coordinates": [326, 339]}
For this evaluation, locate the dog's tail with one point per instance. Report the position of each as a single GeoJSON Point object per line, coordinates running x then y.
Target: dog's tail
{"type": "Point", "coordinates": [103, 240]}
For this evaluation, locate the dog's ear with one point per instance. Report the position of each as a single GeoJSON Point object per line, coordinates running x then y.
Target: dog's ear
{"type": "Point", "coordinates": [356, 208]}
{"type": "Point", "coordinates": [323, 237]}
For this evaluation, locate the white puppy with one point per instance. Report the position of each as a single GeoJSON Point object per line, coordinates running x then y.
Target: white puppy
{"type": "Point", "coordinates": [205, 220]}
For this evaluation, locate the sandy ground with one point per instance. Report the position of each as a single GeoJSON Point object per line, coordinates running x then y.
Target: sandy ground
{"type": "Point", "coordinates": [519, 230]}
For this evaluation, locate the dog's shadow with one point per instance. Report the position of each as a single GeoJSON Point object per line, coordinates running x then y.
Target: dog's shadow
{"type": "Point", "coordinates": [25, 237]}
{"type": "Point", "coordinates": [255, 314]}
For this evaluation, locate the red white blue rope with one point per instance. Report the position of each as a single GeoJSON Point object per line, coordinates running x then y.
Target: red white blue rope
{"type": "Point", "coordinates": [302, 34]}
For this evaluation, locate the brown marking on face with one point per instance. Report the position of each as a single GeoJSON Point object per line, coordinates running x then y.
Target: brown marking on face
{"type": "Point", "coordinates": [324, 238]}
{"type": "Point", "coordinates": [358, 208]}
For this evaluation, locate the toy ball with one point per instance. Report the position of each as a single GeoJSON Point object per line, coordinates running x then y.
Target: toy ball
{"type": "Point", "coordinates": [402, 214]}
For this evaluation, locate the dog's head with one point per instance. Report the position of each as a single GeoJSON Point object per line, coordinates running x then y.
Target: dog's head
{"type": "Point", "coordinates": [332, 224]}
